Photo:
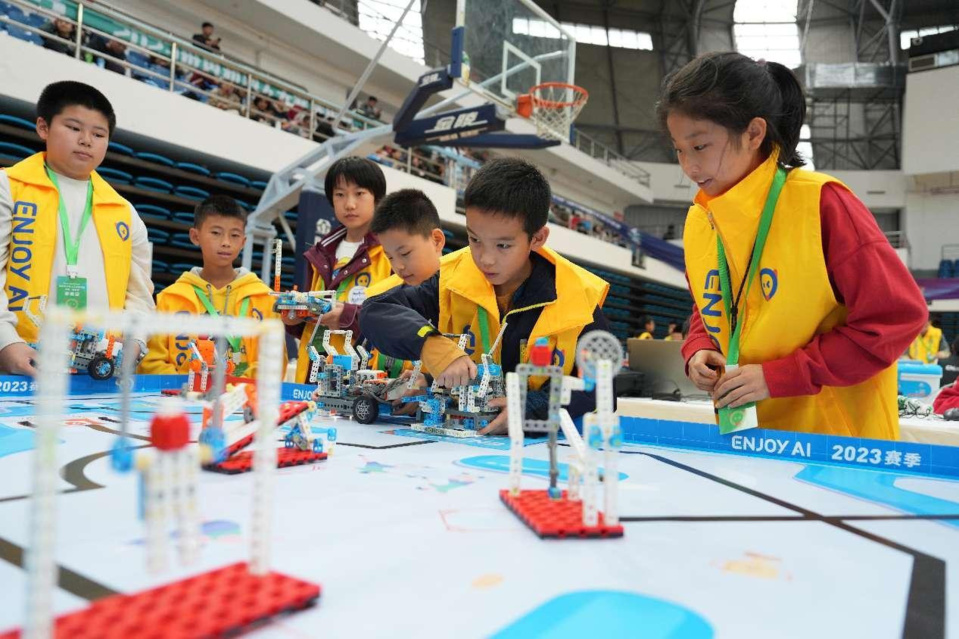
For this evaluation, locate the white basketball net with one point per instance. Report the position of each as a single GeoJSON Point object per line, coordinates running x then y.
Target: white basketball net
{"type": "Point", "coordinates": [555, 108]}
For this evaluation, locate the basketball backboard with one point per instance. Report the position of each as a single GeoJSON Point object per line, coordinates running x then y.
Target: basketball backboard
{"type": "Point", "coordinates": [510, 46]}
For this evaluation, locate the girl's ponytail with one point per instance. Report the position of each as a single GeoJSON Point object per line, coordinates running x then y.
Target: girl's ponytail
{"type": "Point", "coordinates": [788, 122]}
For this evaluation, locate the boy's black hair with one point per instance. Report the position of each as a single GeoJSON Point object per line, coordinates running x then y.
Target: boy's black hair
{"type": "Point", "coordinates": [644, 320]}
{"type": "Point", "coordinates": [222, 205]}
{"type": "Point", "coordinates": [372, 97]}
{"type": "Point", "coordinates": [731, 89]}
{"type": "Point", "coordinates": [409, 210]}
{"type": "Point", "coordinates": [206, 24]}
{"type": "Point", "coordinates": [57, 96]}
{"type": "Point", "coordinates": [513, 188]}
{"type": "Point", "coordinates": [362, 172]}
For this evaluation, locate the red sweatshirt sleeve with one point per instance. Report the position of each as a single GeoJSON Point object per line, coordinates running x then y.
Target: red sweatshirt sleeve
{"type": "Point", "coordinates": [948, 398]}
{"type": "Point", "coordinates": [886, 308]}
{"type": "Point", "coordinates": [697, 339]}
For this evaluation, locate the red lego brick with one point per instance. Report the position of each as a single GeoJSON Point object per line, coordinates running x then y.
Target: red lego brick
{"type": "Point", "coordinates": [219, 603]}
{"type": "Point", "coordinates": [170, 431]}
{"type": "Point", "coordinates": [243, 462]}
{"type": "Point", "coordinates": [556, 518]}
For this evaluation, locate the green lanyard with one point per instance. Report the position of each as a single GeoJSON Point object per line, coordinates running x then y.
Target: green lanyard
{"type": "Point", "coordinates": [70, 246]}
{"type": "Point", "coordinates": [483, 318]}
{"type": "Point", "coordinates": [732, 305]}
{"type": "Point", "coordinates": [235, 342]}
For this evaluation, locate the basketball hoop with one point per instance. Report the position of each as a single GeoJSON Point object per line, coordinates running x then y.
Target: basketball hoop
{"type": "Point", "coordinates": [552, 106]}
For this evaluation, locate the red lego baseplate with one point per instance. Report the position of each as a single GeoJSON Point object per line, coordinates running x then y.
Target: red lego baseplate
{"type": "Point", "coordinates": [556, 518]}
{"type": "Point", "coordinates": [243, 462]}
{"type": "Point", "coordinates": [222, 602]}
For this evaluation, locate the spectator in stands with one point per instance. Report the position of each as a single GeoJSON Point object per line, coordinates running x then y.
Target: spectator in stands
{"type": "Point", "coordinates": [105, 265]}
{"type": "Point", "coordinates": [206, 39]}
{"type": "Point", "coordinates": [265, 110]}
{"type": "Point", "coordinates": [929, 346]}
{"type": "Point", "coordinates": [63, 29]}
{"type": "Point", "coordinates": [670, 232]}
{"type": "Point", "coordinates": [950, 365]}
{"type": "Point", "coordinates": [114, 50]}
{"type": "Point", "coordinates": [226, 97]}
{"type": "Point", "coordinates": [370, 109]}
{"type": "Point", "coordinates": [649, 326]}
{"type": "Point", "coordinates": [324, 128]}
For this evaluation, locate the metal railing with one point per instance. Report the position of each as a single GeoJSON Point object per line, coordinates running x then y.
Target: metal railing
{"type": "Point", "coordinates": [169, 62]}
{"type": "Point", "coordinates": [898, 239]}
{"type": "Point", "coordinates": [596, 149]}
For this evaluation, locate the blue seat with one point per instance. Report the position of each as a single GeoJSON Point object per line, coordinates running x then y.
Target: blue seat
{"type": "Point", "coordinates": [159, 266]}
{"type": "Point", "coordinates": [23, 34]}
{"type": "Point", "coordinates": [193, 168]}
{"type": "Point", "coordinates": [156, 158]}
{"type": "Point", "coordinates": [293, 216]}
{"type": "Point", "coordinates": [258, 184]}
{"type": "Point", "coordinates": [153, 184]}
{"type": "Point", "coordinates": [158, 236]}
{"type": "Point", "coordinates": [181, 239]}
{"type": "Point", "coordinates": [246, 205]}
{"type": "Point", "coordinates": [20, 123]}
{"type": "Point", "coordinates": [946, 269]}
{"type": "Point", "coordinates": [180, 267]}
{"type": "Point", "coordinates": [122, 149]}
{"type": "Point", "coordinates": [184, 216]}
{"type": "Point", "coordinates": [191, 193]}
{"type": "Point", "coordinates": [226, 176]}
{"type": "Point", "coordinates": [115, 176]}
{"type": "Point", "coordinates": [36, 20]}
{"type": "Point", "coordinates": [152, 211]}
{"type": "Point", "coordinates": [16, 151]}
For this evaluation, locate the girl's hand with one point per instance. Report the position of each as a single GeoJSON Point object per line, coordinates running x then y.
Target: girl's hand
{"type": "Point", "coordinates": [704, 369]}
{"type": "Point", "coordinates": [741, 386]}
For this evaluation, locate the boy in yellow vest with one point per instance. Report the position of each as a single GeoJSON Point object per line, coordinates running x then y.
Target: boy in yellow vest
{"type": "Point", "coordinates": [219, 229]}
{"type": "Point", "coordinates": [48, 246]}
{"type": "Point", "coordinates": [929, 346]}
{"type": "Point", "coordinates": [407, 226]}
{"type": "Point", "coordinates": [792, 279]}
{"type": "Point", "coordinates": [349, 259]}
{"type": "Point", "coordinates": [505, 275]}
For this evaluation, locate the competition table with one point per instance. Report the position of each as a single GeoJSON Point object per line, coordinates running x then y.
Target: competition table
{"type": "Point", "coordinates": [407, 536]}
{"type": "Point", "coordinates": [922, 430]}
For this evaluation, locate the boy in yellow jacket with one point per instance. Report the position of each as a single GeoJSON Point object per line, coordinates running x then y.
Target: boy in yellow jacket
{"type": "Point", "coordinates": [216, 288]}
{"type": "Point", "coordinates": [505, 276]}
{"type": "Point", "coordinates": [63, 228]}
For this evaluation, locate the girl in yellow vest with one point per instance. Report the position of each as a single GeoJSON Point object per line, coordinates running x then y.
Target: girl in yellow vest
{"type": "Point", "coordinates": [348, 260]}
{"type": "Point", "coordinates": [63, 228]}
{"type": "Point", "coordinates": [792, 279]}
{"type": "Point", "coordinates": [649, 325]}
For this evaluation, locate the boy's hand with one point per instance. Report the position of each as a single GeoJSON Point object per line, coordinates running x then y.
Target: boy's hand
{"type": "Point", "coordinates": [741, 386]}
{"type": "Point", "coordinates": [291, 321]}
{"type": "Point", "coordinates": [460, 372]}
{"type": "Point", "coordinates": [18, 359]}
{"type": "Point", "coordinates": [499, 425]}
{"type": "Point", "coordinates": [409, 408]}
{"type": "Point", "coordinates": [332, 319]}
{"type": "Point", "coordinates": [702, 369]}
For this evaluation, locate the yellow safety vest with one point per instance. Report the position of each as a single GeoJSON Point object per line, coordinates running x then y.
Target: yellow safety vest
{"type": "Point", "coordinates": [793, 302]}
{"type": "Point", "coordinates": [463, 290]}
{"type": "Point", "coordinates": [33, 238]}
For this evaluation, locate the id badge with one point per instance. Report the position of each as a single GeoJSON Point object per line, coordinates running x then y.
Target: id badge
{"type": "Point", "coordinates": [732, 420]}
{"type": "Point", "coordinates": [72, 292]}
